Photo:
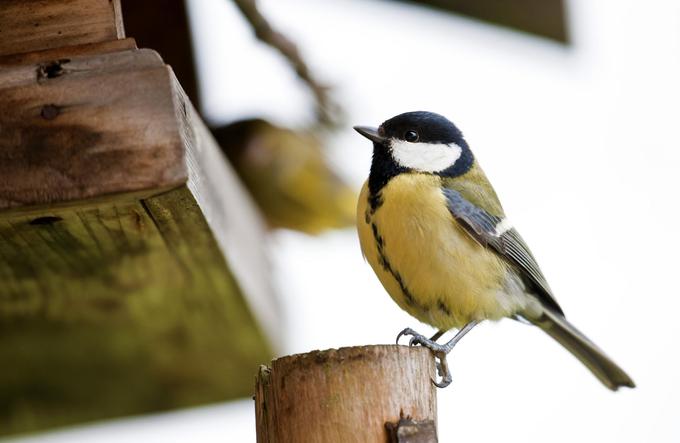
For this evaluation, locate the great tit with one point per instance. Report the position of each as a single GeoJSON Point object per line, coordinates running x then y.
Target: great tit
{"type": "Point", "coordinates": [433, 230]}
{"type": "Point", "coordinates": [288, 175]}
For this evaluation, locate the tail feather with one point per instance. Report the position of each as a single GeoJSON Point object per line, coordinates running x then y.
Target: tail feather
{"type": "Point", "coordinates": [608, 372]}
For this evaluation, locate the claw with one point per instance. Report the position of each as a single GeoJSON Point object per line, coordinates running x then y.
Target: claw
{"type": "Point", "coordinates": [407, 331]}
{"type": "Point", "coordinates": [438, 350]}
{"type": "Point", "coordinates": [444, 383]}
{"type": "Point", "coordinates": [419, 339]}
{"type": "Point", "coordinates": [442, 370]}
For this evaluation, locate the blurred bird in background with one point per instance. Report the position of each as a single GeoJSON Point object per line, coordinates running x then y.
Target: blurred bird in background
{"type": "Point", "coordinates": [288, 175]}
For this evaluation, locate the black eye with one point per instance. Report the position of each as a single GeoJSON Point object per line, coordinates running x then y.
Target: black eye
{"type": "Point", "coordinates": [411, 136]}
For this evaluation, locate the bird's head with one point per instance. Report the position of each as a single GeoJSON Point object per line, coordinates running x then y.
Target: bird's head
{"type": "Point", "coordinates": [419, 141]}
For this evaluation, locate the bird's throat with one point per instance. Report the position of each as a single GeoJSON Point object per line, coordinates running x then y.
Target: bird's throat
{"type": "Point", "coordinates": [383, 169]}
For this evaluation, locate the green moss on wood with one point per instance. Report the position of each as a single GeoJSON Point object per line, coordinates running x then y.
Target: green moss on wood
{"type": "Point", "coordinates": [117, 308]}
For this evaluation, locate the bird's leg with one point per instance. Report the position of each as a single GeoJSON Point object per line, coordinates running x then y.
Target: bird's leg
{"type": "Point", "coordinates": [436, 336]}
{"type": "Point", "coordinates": [419, 339]}
{"type": "Point", "coordinates": [460, 334]}
{"type": "Point", "coordinates": [440, 351]}
{"type": "Point", "coordinates": [414, 334]}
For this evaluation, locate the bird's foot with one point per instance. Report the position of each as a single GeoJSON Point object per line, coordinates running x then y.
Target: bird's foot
{"type": "Point", "coordinates": [442, 370]}
{"type": "Point", "coordinates": [419, 339]}
{"type": "Point", "coordinates": [438, 350]}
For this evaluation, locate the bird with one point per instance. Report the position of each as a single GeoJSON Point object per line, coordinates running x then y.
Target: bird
{"type": "Point", "coordinates": [433, 229]}
{"type": "Point", "coordinates": [288, 176]}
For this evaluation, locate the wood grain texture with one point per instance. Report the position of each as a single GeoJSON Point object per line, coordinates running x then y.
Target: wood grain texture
{"type": "Point", "coordinates": [134, 276]}
{"type": "Point", "coordinates": [34, 25]}
{"type": "Point", "coordinates": [118, 307]}
{"type": "Point", "coordinates": [67, 52]}
{"type": "Point", "coordinates": [87, 126]}
{"type": "Point", "coordinates": [93, 125]}
{"type": "Point", "coordinates": [231, 214]}
{"type": "Point", "coordinates": [344, 395]}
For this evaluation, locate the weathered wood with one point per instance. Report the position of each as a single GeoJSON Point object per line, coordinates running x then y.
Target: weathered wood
{"type": "Point", "coordinates": [66, 52]}
{"type": "Point", "coordinates": [118, 307]}
{"type": "Point", "coordinates": [87, 126]}
{"type": "Point", "coordinates": [344, 395]}
{"type": "Point", "coordinates": [153, 293]}
{"type": "Point", "coordinates": [34, 25]}
{"type": "Point", "coordinates": [120, 122]}
{"type": "Point", "coordinates": [234, 220]}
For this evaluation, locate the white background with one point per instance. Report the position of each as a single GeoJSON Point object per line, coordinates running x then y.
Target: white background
{"type": "Point", "coordinates": [582, 145]}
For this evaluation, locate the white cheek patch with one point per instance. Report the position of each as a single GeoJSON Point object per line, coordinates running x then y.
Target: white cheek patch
{"type": "Point", "coordinates": [426, 157]}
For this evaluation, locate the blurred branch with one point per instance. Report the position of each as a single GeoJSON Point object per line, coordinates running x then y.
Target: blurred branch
{"type": "Point", "coordinates": [328, 112]}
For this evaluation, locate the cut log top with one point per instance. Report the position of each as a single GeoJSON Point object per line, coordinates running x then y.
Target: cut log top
{"type": "Point", "coordinates": [344, 395]}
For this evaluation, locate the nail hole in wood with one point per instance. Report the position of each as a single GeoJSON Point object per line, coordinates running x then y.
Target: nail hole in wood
{"type": "Point", "coordinates": [52, 69]}
{"type": "Point", "coordinates": [49, 112]}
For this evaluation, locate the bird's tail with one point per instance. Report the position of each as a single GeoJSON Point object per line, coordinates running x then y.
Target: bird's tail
{"type": "Point", "coordinates": [608, 372]}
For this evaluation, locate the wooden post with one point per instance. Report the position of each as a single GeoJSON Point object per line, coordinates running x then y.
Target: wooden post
{"type": "Point", "coordinates": [359, 394]}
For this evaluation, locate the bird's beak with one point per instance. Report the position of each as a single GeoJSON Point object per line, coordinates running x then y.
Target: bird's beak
{"type": "Point", "coordinates": [370, 133]}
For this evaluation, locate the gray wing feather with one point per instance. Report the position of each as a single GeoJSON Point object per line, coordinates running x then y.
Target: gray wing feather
{"type": "Point", "coordinates": [509, 245]}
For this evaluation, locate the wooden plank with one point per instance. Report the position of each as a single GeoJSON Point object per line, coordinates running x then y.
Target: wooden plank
{"type": "Point", "coordinates": [127, 302]}
{"type": "Point", "coordinates": [67, 52]}
{"type": "Point", "coordinates": [87, 126]}
{"type": "Point", "coordinates": [31, 25]}
{"type": "Point", "coordinates": [232, 216]}
{"type": "Point", "coordinates": [345, 395]}
{"type": "Point", "coordinates": [34, 25]}
{"type": "Point", "coordinates": [120, 122]}
{"type": "Point", "coordinates": [153, 292]}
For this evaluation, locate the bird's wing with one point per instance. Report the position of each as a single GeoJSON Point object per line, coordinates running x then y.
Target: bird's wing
{"type": "Point", "coordinates": [494, 232]}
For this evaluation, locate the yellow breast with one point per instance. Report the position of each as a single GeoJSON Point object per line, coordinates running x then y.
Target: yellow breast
{"type": "Point", "coordinates": [427, 263]}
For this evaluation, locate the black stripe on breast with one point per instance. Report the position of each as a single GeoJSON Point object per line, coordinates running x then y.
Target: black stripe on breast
{"type": "Point", "coordinates": [445, 309]}
{"type": "Point", "coordinates": [375, 201]}
{"type": "Point", "coordinates": [387, 266]}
